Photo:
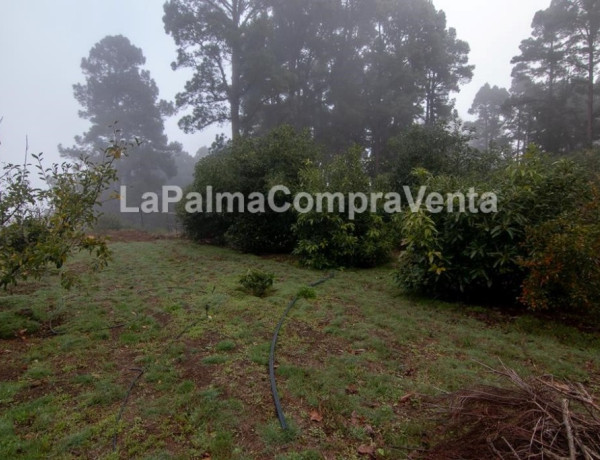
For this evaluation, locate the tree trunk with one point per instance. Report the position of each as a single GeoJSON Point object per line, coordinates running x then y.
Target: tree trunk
{"type": "Point", "coordinates": [590, 99]}
{"type": "Point", "coordinates": [377, 146]}
{"type": "Point", "coordinates": [234, 90]}
{"type": "Point", "coordinates": [234, 102]}
{"type": "Point", "coordinates": [234, 95]}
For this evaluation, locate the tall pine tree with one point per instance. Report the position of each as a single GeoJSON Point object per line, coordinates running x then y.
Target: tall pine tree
{"type": "Point", "coordinates": [117, 91]}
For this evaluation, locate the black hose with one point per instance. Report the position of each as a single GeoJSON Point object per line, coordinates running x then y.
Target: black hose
{"type": "Point", "coordinates": [133, 382]}
{"type": "Point", "coordinates": [141, 372]}
{"type": "Point", "coordinates": [276, 400]}
{"type": "Point", "coordinates": [321, 281]}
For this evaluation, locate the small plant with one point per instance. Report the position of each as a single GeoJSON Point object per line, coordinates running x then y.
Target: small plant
{"type": "Point", "coordinates": [307, 293]}
{"type": "Point", "coordinates": [257, 282]}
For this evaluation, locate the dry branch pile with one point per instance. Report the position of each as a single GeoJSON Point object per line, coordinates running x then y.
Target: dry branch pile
{"type": "Point", "coordinates": [536, 418]}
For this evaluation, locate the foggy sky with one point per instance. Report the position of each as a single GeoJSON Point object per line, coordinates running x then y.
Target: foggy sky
{"type": "Point", "coordinates": [42, 43]}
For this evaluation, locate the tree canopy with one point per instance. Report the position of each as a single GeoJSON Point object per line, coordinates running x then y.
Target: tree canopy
{"type": "Point", "coordinates": [553, 95]}
{"type": "Point", "coordinates": [490, 106]}
{"type": "Point", "coordinates": [349, 71]}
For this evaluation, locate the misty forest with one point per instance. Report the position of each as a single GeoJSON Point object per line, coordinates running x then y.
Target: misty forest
{"type": "Point", "coordinates": [407, 330]}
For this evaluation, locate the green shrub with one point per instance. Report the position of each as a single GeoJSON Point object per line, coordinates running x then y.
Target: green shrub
{"type": "Point", "coordinates": [215, 171]}
{"type": "Point", "coordinates": [563, 263]}
{"type": "Point", "coordinates": [45, 226]}
{"type": "Point", "coordinates": [333, 239]}
{"type": "Point", "coordinates": [257, 282]}
{"type": "Point", "coordinates": [250, 165]}
{"type": "Point", "coordinates": [438, 149]}
{"type": "Point", "coordinates": [285, 157]}
{"type": "Point", "coordinates": [477, 256]}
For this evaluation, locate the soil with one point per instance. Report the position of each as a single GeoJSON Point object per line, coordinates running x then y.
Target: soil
{"type": "Point", "coordinates": [131, 235]}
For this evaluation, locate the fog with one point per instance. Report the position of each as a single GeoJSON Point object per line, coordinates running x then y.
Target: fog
{"type": "Point", "coordinates": [42, 44]}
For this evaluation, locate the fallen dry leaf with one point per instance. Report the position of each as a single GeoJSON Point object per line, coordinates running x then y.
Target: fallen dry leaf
{"type": "Point", "coordinates": [406, 398]}
{"type": "Point", "coordinates": [315, 416]}
{"type": "Point", "coordinates": [366, 450]}
{"type": "Point", "coordinates": [351, 390]}
{"type": "Point", "coordinates": [356, 419]}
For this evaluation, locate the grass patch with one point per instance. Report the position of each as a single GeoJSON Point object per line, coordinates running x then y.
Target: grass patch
{"type": "Point", "coordinates": [215, 359]}
{"type": "Point", "coordinates": [259, 354]}
{"type": "Point", "coordinates": [225, 345]}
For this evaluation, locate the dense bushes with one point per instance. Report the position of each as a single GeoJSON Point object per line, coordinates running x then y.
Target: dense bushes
{"type": "Point", "coordinates": [333, 239]}
{"type": "Point", "coordinates": [459, 254]}
{"type": "Point", "coordinates": [440, 149]}
{"type": "Point", "coordinates": [539, 247]}
{"type": "Point", "coordinates": [564, 261]}
{"type": "Point", "coordinates": [213, 170]}
{"type": "Point", "coordinates": [246, 166]}
{"type": "Point", "coordinates": [284, 157]}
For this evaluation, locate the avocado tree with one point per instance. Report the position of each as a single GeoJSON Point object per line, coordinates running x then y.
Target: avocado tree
{"type": "Point", "coordinates": [43, 226]}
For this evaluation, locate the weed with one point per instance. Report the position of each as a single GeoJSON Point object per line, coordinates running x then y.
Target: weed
{"type": "Point", "coordinates": [257, 282]}
{"type": "Point", "coordinates": [306, 292]}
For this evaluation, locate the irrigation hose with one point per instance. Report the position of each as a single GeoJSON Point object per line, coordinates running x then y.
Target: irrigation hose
{"type": "Point", "coordinates": [141, 371]}
{"type": "Point", "coordinates": [276, 399]}
{"type": "Point", "coordinates": [124, 403]}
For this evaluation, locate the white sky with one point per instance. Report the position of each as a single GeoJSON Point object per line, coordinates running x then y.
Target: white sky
{"type": "Point", "coordinates": [42, 43]}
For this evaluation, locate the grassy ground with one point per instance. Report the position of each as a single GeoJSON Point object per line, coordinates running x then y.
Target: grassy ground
{"type": "Point", "coordinates": [353, 364]}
